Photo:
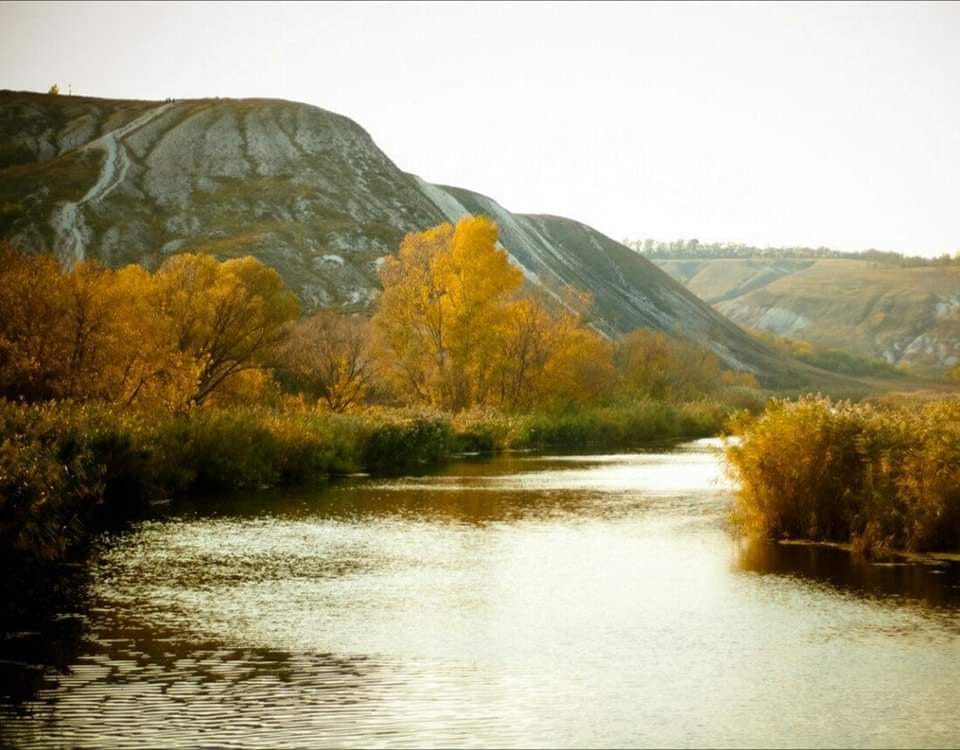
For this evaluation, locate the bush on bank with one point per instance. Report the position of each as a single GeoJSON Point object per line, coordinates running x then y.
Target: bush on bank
{"type": "Point", "coordinates": [875, 475]}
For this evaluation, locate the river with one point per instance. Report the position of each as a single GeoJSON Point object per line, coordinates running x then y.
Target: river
{"type": "Point", "coordinates": [523, 600]}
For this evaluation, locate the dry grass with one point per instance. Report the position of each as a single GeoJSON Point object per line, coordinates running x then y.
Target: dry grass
{"type": "Point", "coordinates": [875, 475]}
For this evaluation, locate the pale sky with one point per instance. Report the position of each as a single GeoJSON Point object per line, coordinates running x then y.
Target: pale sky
{"type": "Point", "coordinates": [833, 124]}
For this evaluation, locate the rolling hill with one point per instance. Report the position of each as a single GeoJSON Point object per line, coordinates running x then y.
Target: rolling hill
{"type": "Point", "coordinates": [907, 316]}
{"type": "Point", "coordinates": [306, 191]}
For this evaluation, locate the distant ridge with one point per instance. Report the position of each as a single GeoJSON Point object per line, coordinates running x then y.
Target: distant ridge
{"type": "Point", "coordinates": [904, 315]}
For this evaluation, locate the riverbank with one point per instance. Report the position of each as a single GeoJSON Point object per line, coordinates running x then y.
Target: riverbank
{"type": "Point", "coordinates": [69, 469]}
{"type": "Point", "coordinates": [876, 477]}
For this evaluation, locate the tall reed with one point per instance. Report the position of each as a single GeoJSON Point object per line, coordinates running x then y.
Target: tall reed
{"type": "Point", "coordinates": [874, 475]}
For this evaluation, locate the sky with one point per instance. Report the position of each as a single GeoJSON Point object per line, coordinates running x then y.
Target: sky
{"type": "Point", "coordinates": [770, 124]}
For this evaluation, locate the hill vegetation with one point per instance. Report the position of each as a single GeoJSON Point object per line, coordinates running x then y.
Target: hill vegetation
{"type": "Point", "coordinates": [694, 249]}
{"type": "Point", "coordinates": [308, 193]}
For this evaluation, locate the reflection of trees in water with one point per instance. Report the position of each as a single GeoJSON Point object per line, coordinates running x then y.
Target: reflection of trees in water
{"type": "Point", "coordinates": [41, 626]}
{"type": "Point", "coordinates": [936, 585]}
{"type": "Point", "coordinates": [432, 501]}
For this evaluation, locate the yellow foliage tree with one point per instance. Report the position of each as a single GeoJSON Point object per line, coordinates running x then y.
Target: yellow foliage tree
{"type": "Point", "coordinates": [32, 340]}
{"type": "Point", "coordinates": [453, 329]}
{"type": "Point", "coordinates": [442, 311]}
{"type": "Point", "coordinates": [150, 370]}
{"type": "Point", "coordinates": [548, 357]}
{"type": "Point", "coordinates": [227, 317]}
{"type": "Point", "coordinates": [659, 366]}
{"type": "Point", "coordinates": [169, 339]}
{"type": "Point", "coordinates": [580, 368]}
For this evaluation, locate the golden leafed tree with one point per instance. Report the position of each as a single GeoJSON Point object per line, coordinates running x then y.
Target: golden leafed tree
{"type": "Point", "coordinates": [33, 341]}
{"type": "Point", "coordinates": [227, 317]}
{"type": "Point", "coordinates": [549, 357]}
{"type": "Point", "coordinates": [169, 339]}
{"type": "Point", "coordinates": [657, 365]}
{"type": "Point", "coordinates": [443, 312]}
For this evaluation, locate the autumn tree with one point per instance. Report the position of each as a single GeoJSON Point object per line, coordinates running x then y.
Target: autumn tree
{"type": "Point", "coordinates": [148, 366]}
{"type": "Point", "coordinates": [580, 369]}
{"type": "Point", "coordinates": [171, 339]}
{"type": "Point", "coordinates": [32, 339]}
{"type": "Point", "coordinates": [227, 317]}
{"type": "Point", "coordinates": [456, 328]}
{"type": "Point", "coordinates": [527, 346]}
{"type": "Point", "coordinates": [328, 355]}
{"type": "Point", "coordinates": [442, 311]}
{"type": "Point", "coordinates": [657, 365]}
{"type": "Point", "coordinates": [84, 334]}
{"type": "Point", "coordinates": [549, 356]}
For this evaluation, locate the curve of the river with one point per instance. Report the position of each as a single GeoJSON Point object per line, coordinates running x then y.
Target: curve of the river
{"type": "Point", "coordinates": [596, 600]}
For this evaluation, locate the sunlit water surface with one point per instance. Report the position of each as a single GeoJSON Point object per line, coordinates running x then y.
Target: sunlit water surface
{"type": "Point", "coordinates": [525, 600]}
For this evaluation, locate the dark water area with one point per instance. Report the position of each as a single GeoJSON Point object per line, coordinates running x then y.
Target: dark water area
{"type": "Point", "coordinates": [526, 600]}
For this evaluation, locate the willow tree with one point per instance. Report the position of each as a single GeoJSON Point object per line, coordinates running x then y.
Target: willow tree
{"type": "Point", "coordinates": [227, 318]}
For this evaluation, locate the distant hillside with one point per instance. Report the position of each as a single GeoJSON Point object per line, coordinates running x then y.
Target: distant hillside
{"type": "Point", "coordinates": [306, 191]}
{"type": "Point", "coordinates": [907, 315]}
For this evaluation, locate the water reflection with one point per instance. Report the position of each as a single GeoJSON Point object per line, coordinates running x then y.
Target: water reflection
{"type": "Point", "coordinates": [935, 584]}
{"type": "Point", "coordinates": [529, 600]}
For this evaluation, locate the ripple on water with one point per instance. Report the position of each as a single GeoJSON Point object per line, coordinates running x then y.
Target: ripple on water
{"type": "Point", "coordinates": [553, 600]}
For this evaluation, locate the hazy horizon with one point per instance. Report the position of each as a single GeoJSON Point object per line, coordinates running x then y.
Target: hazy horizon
{"type": "Point", "coordinates": [793, 124]}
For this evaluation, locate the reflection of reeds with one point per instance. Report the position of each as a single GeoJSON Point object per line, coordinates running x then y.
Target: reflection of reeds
{"type": "Point", "coordinates": [833, 564]}
{"type": "Point", "coordinates": [876, 476]}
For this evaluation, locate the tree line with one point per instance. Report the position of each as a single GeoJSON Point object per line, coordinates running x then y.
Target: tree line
{"type": "Point", "coordinates": [695, 249]}
{"type": "Point", "coordinates": [455, 328]}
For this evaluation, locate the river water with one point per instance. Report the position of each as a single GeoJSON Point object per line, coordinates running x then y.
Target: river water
{"type": "Point", "coordinates": [525, 600]}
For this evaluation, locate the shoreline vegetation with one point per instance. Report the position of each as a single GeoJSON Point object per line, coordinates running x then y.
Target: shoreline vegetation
{"type": "Point", "coordinates": [878, 476]}
{"type": "Point", "coordinates": [122, 386]}
{"type": "Point", "coordinates": [118, 387]}
{"type": "Point", "coordinates": [68, 469]}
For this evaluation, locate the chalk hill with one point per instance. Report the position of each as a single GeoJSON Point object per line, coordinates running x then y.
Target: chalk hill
{"type": "Point", "coordinates": [907, 315]}
{"type": "Point", "coordinates": [306, 191]}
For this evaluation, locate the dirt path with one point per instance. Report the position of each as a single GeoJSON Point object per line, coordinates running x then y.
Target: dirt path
{"type": "Point", "coordinates": [67, 219]}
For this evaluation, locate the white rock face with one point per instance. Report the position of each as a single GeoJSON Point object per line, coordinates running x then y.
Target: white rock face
{"type": "Point", "coordinates": [782, 321]}
{"type": "Point", "coordinates": [308, 192]}
{"type": "Point", "coordinates": [71, 237]}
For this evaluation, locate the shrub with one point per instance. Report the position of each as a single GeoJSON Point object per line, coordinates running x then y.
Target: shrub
{"type": "Point", "coordinates": [885, 476]}
{"type": "Point", "coordinates": [53, 477]}
{"type": "Point", "coordinates": [400, 440]}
